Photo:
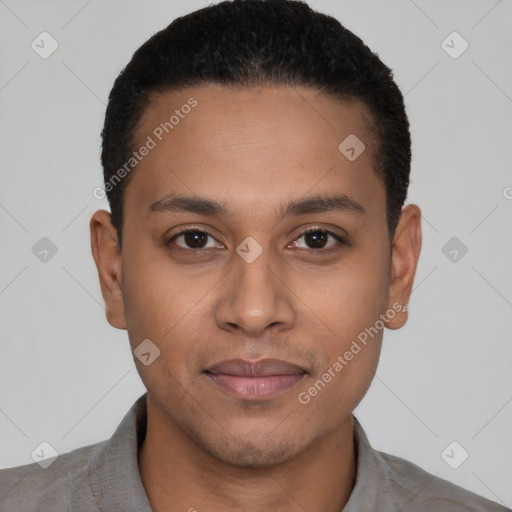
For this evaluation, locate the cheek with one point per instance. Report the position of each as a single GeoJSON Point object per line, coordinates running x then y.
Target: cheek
{"type": "Point", "coordinates": [158, 295]}
{"type": "Point", "coordinates": [352, 296]}
{"type": "Point", "coordinates": [336, 392]}
{"type": "Point", "coordinates": [348, 366]}
{"type": "Point", "coordinates": [350, 305]}
{"type": "Point", "coordinates": [168, 307]}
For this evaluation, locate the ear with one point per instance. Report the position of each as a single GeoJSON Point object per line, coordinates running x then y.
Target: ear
{"type": "Point", "coordinates": [405, 253]}
{"type": "Point", "coordinates": [107, 256]}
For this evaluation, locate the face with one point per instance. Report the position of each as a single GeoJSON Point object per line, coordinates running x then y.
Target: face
{"type": "Point", "coordinates": [256, 271]}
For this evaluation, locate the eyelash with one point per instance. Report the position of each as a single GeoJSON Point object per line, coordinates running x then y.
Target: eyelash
{"type": "Point", "coordinates": [315, 229]}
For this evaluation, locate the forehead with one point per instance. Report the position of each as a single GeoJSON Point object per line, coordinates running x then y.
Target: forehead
{"type": "Point", "coordinates": [255, 112]}
{"type": "Point", "coordinates": [250, 144]}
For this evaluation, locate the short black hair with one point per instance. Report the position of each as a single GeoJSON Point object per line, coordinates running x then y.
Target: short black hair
{"type": "Point", "coordinates": [248, 43]}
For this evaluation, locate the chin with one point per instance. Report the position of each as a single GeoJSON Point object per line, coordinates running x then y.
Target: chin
{"type": "Point", "coordinates": [262, 453]}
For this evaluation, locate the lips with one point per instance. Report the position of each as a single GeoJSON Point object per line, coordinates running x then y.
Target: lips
{"type": "Point", "coordinates": [261, 368]}
{"type": "Point", "coordinates": [255, 380]}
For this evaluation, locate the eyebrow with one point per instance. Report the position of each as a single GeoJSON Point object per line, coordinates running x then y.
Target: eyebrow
{"type": "Point", "coordinates": [203, 206]}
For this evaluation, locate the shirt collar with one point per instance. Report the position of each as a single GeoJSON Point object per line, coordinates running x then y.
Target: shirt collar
{"type": "Point", "coordinates": [116, 482]}
{"type": "Point", "coordinates": [372, 487]}
{"type": "Point", "coordinates": [114, 471]}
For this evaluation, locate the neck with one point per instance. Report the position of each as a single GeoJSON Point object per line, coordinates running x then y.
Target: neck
{"type": "Point", "coordinates": [178, 475]}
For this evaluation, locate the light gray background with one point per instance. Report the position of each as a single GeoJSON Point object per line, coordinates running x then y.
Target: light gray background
{"type": "Point", "coordinates": [68, 378]}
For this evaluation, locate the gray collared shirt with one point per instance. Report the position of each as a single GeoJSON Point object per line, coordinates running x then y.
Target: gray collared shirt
{"type": "Point", "coordinates": [105, 477]}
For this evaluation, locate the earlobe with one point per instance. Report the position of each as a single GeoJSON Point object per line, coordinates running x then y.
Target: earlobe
{"type": "Point", "coordinates": [107, 256]}
{"type": "Point", "coordinates": [405, 253]}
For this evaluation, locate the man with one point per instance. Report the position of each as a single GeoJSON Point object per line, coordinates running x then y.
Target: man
{"type": "Point", "coordinates": [256, 158]}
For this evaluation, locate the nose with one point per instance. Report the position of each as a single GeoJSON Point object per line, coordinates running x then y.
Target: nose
{"type": "Point", "coordinates": [255, 297]}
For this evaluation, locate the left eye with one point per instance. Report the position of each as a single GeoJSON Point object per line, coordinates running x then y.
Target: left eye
{"type": "Point", "coordinates": [317, 239]}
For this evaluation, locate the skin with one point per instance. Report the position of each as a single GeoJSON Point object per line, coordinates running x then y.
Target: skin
{"type": "Point", "coordinates": [253, 150]}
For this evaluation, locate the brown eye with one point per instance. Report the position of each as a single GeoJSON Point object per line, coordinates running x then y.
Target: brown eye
{"type": "Point", "coordinates": [195, 239]}
{"type": "Point", "coordinates": [191, 239]}
{"type": "Point", "coordinates": [318, 239]}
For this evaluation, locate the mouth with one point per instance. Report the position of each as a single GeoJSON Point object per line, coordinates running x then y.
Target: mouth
{"type": "Point", "coordinates": [255, 381]}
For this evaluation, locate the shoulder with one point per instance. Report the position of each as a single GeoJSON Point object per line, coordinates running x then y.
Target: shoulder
{"type": "Point", "coordinates": [418, 491]}
{"type": "Point", "coordinates": [32, 488]}
{"type": "Point", "coordinates": [398, 484]}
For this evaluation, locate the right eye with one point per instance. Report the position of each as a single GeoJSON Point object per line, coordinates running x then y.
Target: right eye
{"type": "Point", "coordinates": [193, 239]}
